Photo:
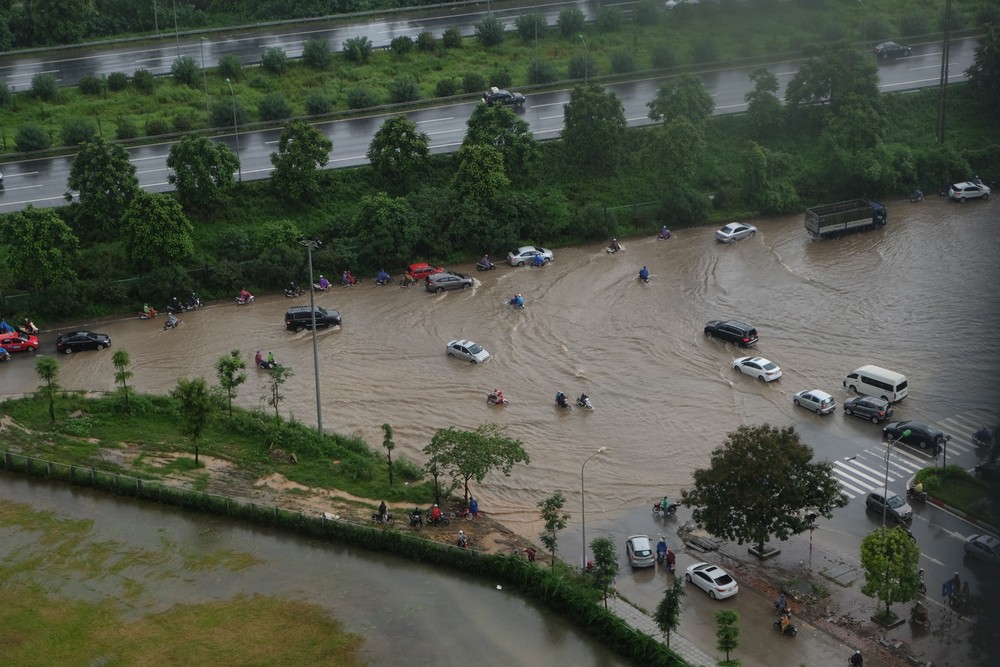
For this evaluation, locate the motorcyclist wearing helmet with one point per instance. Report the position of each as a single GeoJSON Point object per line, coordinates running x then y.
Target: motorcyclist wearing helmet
{"type": "Point", "coordinates": [175, 305]}
{"type": "Point", "coordinates": [463, 541]}
{"type": "Point", "coordinates": [664, 232]}
{"type": "Point", "coordinates": [485, 262]}
{"type": "Point", "coordinates": [983, 435]}
{"type": "Point", "coordinates": [435, 514]}
{"type": "Point", "coordinates": [857, 660]}
{"type": "Point", "coordinates": [538, 261]}
{"type": "Point", "coordinates": [382, 278]}
{"type": "Point", "coordinates": [561, 400]}
{"type": "Point", "coordinates": [614, 246]}
{"type": "Point", "coordinates": [661, 549]}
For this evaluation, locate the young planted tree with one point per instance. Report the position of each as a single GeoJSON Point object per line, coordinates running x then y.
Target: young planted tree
{"type": "Point", "coordinates": [727, 635]}
{"type": "Point", "coordinates": [470, 455]}
{"type": "Point", "coordinates": [889, 559]}
{"type": "Point", "coordinates": [121, 361]}
{"type": "Point", "coordinates": [196, 406]}
{"type": "Point", "coordinates": [605, 564]}
{"type": "Point", "coordinates": [277, 376]}
{"type": "Point", "coordinates": [230, 369]}
{"type": "Point", "coordinates": [762, 482]}
{"type": "Point", "coordinates": [668, 612]}
{"type": "Point", "coordinates": [555, 520]}
{"type": "Point", "coordinates": [47, 369]}
{"type": "Point", "coordinates": [389, 446]}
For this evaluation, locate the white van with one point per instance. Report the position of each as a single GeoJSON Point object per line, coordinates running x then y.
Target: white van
{"type": "Point", "coordinates": [875, 381]}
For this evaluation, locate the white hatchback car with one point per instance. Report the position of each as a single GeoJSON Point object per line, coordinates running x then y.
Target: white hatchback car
{"type": "Point", "coordinates": [816, 400]}
{"type": "Point", "coordinates": [467, 349]}
{"type": "Point", "coordinates": [735, 231]}
{"type": "Point", "coordinates": [713, 580]}
{"type": "Point", "coordinates": [758, 367]}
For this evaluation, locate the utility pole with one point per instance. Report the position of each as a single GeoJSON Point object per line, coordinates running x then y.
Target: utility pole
{"type": "Point", "coordinates": [943, 85]}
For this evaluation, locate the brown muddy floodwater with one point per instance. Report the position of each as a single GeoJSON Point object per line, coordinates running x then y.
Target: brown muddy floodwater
{"type": "Point", "coordinates": [919, 296]}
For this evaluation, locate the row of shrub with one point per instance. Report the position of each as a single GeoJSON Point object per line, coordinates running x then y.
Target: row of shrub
{"type": "Point", "coordinates": [570, 596]}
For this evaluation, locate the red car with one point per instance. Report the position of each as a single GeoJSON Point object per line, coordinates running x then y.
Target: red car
{"type": "Point", "coordinates": [19, 342]}
{"type": "Point", "coordinates": [422, 270]}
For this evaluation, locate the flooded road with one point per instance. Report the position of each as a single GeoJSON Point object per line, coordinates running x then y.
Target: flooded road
{"type": "Point", "coordinates": [919, 296]}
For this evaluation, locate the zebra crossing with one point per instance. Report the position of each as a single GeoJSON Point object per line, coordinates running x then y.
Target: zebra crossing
{"type": "Point", "coordinates": [866, 471]}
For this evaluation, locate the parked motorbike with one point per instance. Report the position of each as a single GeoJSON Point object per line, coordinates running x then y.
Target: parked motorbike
{"type": "Point", "coordinates": [489, 266]}
{"type": "Point", "coordinates": [789, 629]}
{"type": "Point", "coordinates": [493, 399]}
{"type": "Point", "coordinates": [671, 510]}
{"type": "Point", "coordinates": [584, 402]}
{"type": "Point", "coordinates": [918, 496]}
{"type": "Point", "coordinates": [386, 520]}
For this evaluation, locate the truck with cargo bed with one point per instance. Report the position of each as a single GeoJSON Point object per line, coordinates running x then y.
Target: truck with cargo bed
{"type": "Point", "coordinates": [845, 216]}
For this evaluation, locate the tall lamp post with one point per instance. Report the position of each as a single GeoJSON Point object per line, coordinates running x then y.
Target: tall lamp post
{"type": "Point", "coordinates": [236, 130]}
{"type": "Point", "coordinates": [177, 34]}
{"type": "Point", "coordinates": [586, 61]}
{"type": "Point", "coordinates": [885, 491]}
{"type": "Point", "coordinates": [204, 76]}
{"type": "Point", "coordinates": [310, 244]}
{"type": "Point", "coordinates": [583, 507]}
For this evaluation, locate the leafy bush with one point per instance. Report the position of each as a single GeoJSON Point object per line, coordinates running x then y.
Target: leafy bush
{"type": "Point", "coordinates": [126, 128]}
{"type": "Point", "coordinates": [501, 79]}
{"type": "Point", "coordinates": [274, 60]}
{"type": "Point", "coordinates": [274, 107]}
{"type": "Point", "coordinates": [610, 19]}
{"type": "Point", "coordinates": [80, 427]}
{"type": "Point", "coordinates": [31, 137]}
{"type": "Point", "coordinates": [401, 45]}
{"type": "Point", "coordinates": [44, 87]}
{"type": "Point", "coordinates": [489, 31]}
{"type": "Point", "coordinates": [317, 103]}
{"type": "Point", "coordinates": [705, 50]}
{"type": "Point", "coordinates": [230, 67]}
{"type": "Point", "coordinates": [530, 26]}
{"type": "Point", "coordinates": [91, 85]}
{"type": "Point", "coordinates": [582, 66]}
{"type": "Point", "coordinates": [75, 131]}
{"type": "Point", "coordinates": [358, 50]}
{"type": "Point", "coordinates": [446, 88]}
{"type": "Point", "coordinates": [156, 127]}
{"type": "Point", "coordinates": [623, 62]}
{"type": "Point", "coordinates": [361, 97]}
{"type": "Point", "coordinates": [357, 467]}
{"type": "Point", "coordinates": [426, 42]}
{"type": "Point", "coordinates": [143, 80]}
{"type": "Point", "coordinates": [5, 94]}
{"type": "Point", "coordinates": [473, 83]}
{"type": "Point", "coordinates": [663, 56]}
{"type": "Point", "coordinates": [407, 470]}
{"type": "Point", "coordinates": [404, 89]}
{"type": "Point", "coordinates": [316, 54]}
{"type": "Point", "coordinates": [452, 38]}
{"type": "Point", "coordinates": [184, 121]}
{"type": "Point", "coordinates": [541, 71]}
{"type": "Point", "coordinates": [221, 114]}
{"type": "Point", "coordinates": [646, 12]}
{"type": "Point", "coordinates": [261, 83]}
{"type": "Point", "coordinates": [185, 71]}
{"type": "Point", "coordinates": [571, 22]}
{"type": "Point", "coordinates": [118, 81]}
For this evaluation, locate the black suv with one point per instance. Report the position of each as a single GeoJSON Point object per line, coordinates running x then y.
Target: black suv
{"type": "Point", "coordinates": [300, 317]}
{"type": "Point", "coordinates": [497, 96]}
{"type": "Point", "coordinates": [732, 331]}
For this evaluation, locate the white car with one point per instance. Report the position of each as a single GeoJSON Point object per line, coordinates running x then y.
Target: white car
{"type": "Point", "coordinates": [816, 400]}
{"type": "Point", "coordinates": [713, 580]}
{"type": "Point", "coordinates": [672, 4]}
{"type": "Point", "coordinates": [735, 231]}
{"type": "Point", "coordinates": [758, 367]}
{"type": "Point", "coordinates": [467, 349]}
{"type": "Point", "coordinates": [968, 190]}
{"type": "Point", "coordinates": [526, 255]}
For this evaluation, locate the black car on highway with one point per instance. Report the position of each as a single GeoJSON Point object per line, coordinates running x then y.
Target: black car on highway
{"type": "Point", "coordinates": [891, 50]}
{"type": "Point", "coordinates": [732, 331]}
{"type": "Point", "coordinates": [499, 96]}
{"type": "Point", "coordinates": [82, 340]}
{"type": "Point", "coordinates": [920, 435]}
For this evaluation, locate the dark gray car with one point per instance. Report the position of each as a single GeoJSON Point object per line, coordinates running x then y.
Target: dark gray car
{"type": "Point", "coordinates": [896, 508]}
{"type": "Point", "coordinates": [446, 280]}
{"type": "Point", "coordinates": [868, 407]}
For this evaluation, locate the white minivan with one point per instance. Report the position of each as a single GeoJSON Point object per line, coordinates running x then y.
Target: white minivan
{"type": "Point", "coordinates": [875, 381]}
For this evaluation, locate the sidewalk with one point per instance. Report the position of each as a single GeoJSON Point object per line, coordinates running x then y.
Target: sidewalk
{"type": "Point", "coordinates": [645, 624]}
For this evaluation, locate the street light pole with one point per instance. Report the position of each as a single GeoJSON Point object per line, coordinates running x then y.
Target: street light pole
{"type": "Point", "coordinates": [236, 130]}
{"type": "Point", "coordinates": [310, 244]}
{"type": "Point", "coordinates": [204, 76]}
{"type": "Point", "coordinates": [177, 34]}
{"type": "Point", "coordinates": [885, 491]}
{"type": "Point", "coordinates": [586, 61]}
{"type": "Point", "coordinates": [583, 507]}
{"type": "Point", "coordinates": [156, 20]}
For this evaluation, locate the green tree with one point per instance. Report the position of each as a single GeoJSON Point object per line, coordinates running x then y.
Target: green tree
{"type": "Point", "coordinates": [727, 635]}
{"type": "Point", "coordinates": [276, 377]}
{"type": "Point", "coordinates": [121, 361]}
{"type": "Point", "coordinates": [201, 170]}
{"type": "Point", "coordinates": [47, 369]}
{"type": "Point", "coordinates": [61, 21]}
{"type": "Point", "coordinates": [490, 31]}
{"type": "Point", "coordinates": [889, 559]}
{"type": "Point", "coordinates": [44, 87]}
{"type": "Point", "coordinates": [674, 151]}
{"type": "Point", "coordinates": [571, 22]}
{"type": "Point", "coordinates": [498, 126]}
{"type": "Point", "coordinates": [593, 129]}
{"type": "Point", "coordinates": [389, 445]}
{"type": "Point", "coordinates": [399, 153]}
{"type": "Point", "coordinates": [302, 150]}
{"type": "Point", "coordinates": [605, 565]}
{"type": "Point", "coordinates": [358, 50]}
{"type": "Point", "coordinates": [156, 231]}
{"type": "Point", "coordinates": [185, 71]}
{"type": "Point", "coordinates": [767, 180]}
{"type": "Point", "coordinates": [274, 60]}
{"type": "Point", "coordinates": [40, 247]}
{"type": "Point", "coordinates": [984, 72]}
{"type": "Point", "coordinates": [668, 612]}
{"type": "Point", "coordinates": [273, 107]}
{"type": "Point", "coordinates": [106, 180]}
{"type": "Point", "coordinates": [471, 455]}
{"type": "Point", "coordinates": [383, 231]}
{"type": "Point", "coordinates": [836, 76]}
{"type": "Point", "coordinates": [764, 111]}
{"type": "Point", "coordinates": [683, 96]}
{"type": "Point", "coordinates": [555, 520]}
{"type": "Point", "coordinates": [195, 409]}
{"type": "Point", "coordinates": [762, 482]}
{"type": "Point", "coordinates": [316, 54]}
{"type": "Point", "coordinates": [480, 176]}
{"type": "Point", "coordinates": [231, 371]}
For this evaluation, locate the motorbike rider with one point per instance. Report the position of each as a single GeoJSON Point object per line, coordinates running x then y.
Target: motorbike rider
{"type": "Point", "coordinates": [382, 278]}
{"type": "Point", "coordinates": [664, 232]}
{"type": "Point", "coordinates": [435, 514]}
{"type": "Point", "coordinates": [383, 512]}
{"type": "Point", "coordinates": [517, 301]}
{"type": "Point", "coordinates": [538, 261]}
{"type": "Point", "coordinates": [644, 274]}
{"type": "Point", "coordinates": [584, 400]}
{"type": "Point", "coordinates": [463, 541]}
{"type": "Point", "coordinates": [245, 295]}
{"type": "Point", "coordinates": [785, 620]}
{"type": "Point", "coordinates": [485, 262]}
{"type": "Point", "coordinates": [292, 288]}
{"type": "Point", "coordinates": [5, 327]}
{"type": "Point", "coordinates": [407, 281]}
{"type": "Point", "coordinates": [271, 363]}
{"type": "Point", "coordinates": [561, 400]}
{"type": "Point", "coordinates": [416, 517]}
{"type": "Point", "coordinates": [857, 660]}
{"type": "Point", "coordinates": [918, 488]}
{"type": "Point", "coordinates": [175, 305]}
{"type": "Point", "coordinates": [258, 359]}
{"type": "Point", "coordinates": [323, 283]}
{"type": "Point", "coordinates": [347, 279]}
{"type": "Point", "coordinates": [671, 560]}
{"type": "Point", "coordinates": [29, 327]}
{"type": "Point", "coordinates": [149, 312]}
{"type": "Point", "coordinates": [171, 321]}
{"type": "Point", "coordinates": [664, 506]}
{"type": "Point", "coordinates": [614, 246]}
{"type": "Point", "coordinates": [497, 396]}
{"type": "Point", "coordinates": [193, 300]}
{"type": "Point", "coordinates": [982, 435]}
{"type": "Point", "coordinates": [661, 549]}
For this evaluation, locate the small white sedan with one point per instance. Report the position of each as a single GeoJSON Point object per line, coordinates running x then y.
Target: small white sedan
{"type": "Point", "coordinates": [713, 580]}
{"type": "Point", "coordinates": [735, 231]}
{"type": "Point", "coordinates": [816, 400]}
{"type": "Point", "coordinates": [526, 255]}
{"type": "Point", "coordinates": [467, 349]}
{"type": "Point", "coordinates": [758, 367]}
